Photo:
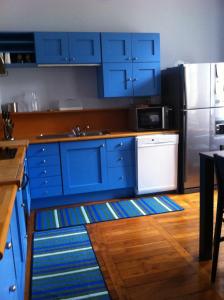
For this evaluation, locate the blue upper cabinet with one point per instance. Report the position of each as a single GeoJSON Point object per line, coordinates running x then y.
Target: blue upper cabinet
{"type": "Point", "coordinates": [117, 80]}
{"type": "Point", "coordinates": [146, 79]}
{"type": "Point", "coordinates": [116, 47]}
{"type": "Point", "coordinates": [67, 48]}
{"type": "Point", "coordinates": [145, 47]}
{"type": "Point", "coordinates": [130, 47]}
{"type": "Point", "coordinates": [130, 65]}
{"type": "Point", "coordinates": [84, 166]}
{"type": "Point", "coordinates": [51, 47]}
{"type": "Point", "coordinates": [84, 47]}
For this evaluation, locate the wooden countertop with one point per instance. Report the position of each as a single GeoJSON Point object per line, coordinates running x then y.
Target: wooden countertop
{"type": "Point", "coordinates": [7, 199]}
{"type": "Point", "coordinates": [35, 140]}
{"type": "Point", "coordinates": [11, 170]}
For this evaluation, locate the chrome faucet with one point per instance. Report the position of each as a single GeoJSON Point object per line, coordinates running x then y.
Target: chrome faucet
{"type": "Point", "coordinates": [78, 132]}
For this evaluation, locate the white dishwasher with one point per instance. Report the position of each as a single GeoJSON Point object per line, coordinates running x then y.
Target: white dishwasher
{"type": "Point", "coordinates": [156, 159]}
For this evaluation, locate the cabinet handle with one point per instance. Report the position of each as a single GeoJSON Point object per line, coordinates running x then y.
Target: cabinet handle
{"type": "Point", "coordinates": [129, 58]}
{"type": "Point", "coordinates": [43, 149]}
{"type": "Point", "coordinates": [135, 58]}
{"type": "Point", "coordinates": [44, 161]}
{"type": "Point", "coordinates": [73, 58]}
{"type": "Point", "coordinates": [121, 158]}
{"type": "Point", "coordinates": [135, 79]}
{"type": "Point", "coordinates": [45, 172]}
{"type": "Point", "coordinates": [23, 205]}
{"type": "Point", "coordinates": [129, 79]}
{"type": "Point", "coordinates": [8, 245]}
{"type": "Point", "coordinates": [66, 58]}
{"type": "Point", "coordinates": [46, 182]}
{"type": "Point", "coordinates": [121, 178]}
{"type": "Point", "coordinates": [12, 288]}
{"type": "Point", "coordinates": [26, 236]}
{"type": "Point", "coordinates": [103, 145]}
{"type": "Point", "coordinates": [121, 144]}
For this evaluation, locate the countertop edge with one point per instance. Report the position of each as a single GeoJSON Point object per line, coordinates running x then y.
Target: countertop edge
{"type": "Point", "coordinates": [8, 196]}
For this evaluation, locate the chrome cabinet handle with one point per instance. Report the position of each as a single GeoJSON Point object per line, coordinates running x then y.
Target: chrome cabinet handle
{"type": "Point", "coordinates": [44, 161]}
{"type": "Point", "coordinates": [121, 158]}
{"type": "Point", "coordinates": [46, 182]}
{"type": "Point", "coordinates": [23, 204]}
{"type": "Point", "coordinates": [129, 58]}
{"type": "Point", "coordinates": [135, 58]}
{"type": "Point", "coordinates": [8, 245]}
{"type": "Point", "coordinates": [44, 171]}
{"type": "Point", "coordinates": [121, 144]}
{"type": "Point", "coordinates": [103, 145]}
{"type": "Point", "coordinates": [12, 288]}
{"type": "Point", "coordinates": [43, 149]}
{"type": "Point", "coordinates": [129, 79]}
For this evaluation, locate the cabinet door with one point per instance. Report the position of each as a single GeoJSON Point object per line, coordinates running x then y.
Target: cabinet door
{"type": "Point", "coordinates": [117, 80]}
{"type": "Point", "coordinates": [26, 189]}
{"type": "Point", "coordinates": [19, 243]}
{"type": "Point", "coordinates": [146, 79]}
{"type": "Point", "coordinates": [145, 47]}
{"type": "Point", "coordinates": [8, 284]}
{"type": "Point", "coordinates": [116, 47]}
{"type": "Point", "coordinates": [51, 47]}
{"type": "Point", "coordinates": [83, 166]}
{"type": "Point", "coordinates": [84, 47]}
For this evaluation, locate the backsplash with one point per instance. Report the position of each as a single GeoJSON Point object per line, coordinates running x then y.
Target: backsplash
{"type": "Point", "coordinates": [55, 83]}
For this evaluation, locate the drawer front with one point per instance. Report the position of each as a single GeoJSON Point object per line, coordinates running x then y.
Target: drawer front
{"type": "Point", "coordinates": [46, 192]}
{"type": "Point", "coordinates": [43, 150]}
{"type": "Point", "coordinates": [35, 162]}
{"type": "Point", "coordinates": [47, 171]}
{"type": "Point", "coordinates": [45, 182]}
{"type": "Point", "coordinates": [120, 144]}
{"type": "Point", "coordinates": [121, 177]}
{"type": "Point", "coordinates": [120, 158]}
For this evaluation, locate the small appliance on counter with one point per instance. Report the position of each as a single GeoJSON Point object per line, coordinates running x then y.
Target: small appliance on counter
{"type": "Point", "coordinates": [70, 104]}
{"type": "Point", "coordinates": [149, 117]}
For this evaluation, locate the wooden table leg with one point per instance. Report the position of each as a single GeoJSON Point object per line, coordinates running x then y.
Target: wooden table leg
{"type": "Point", "coordinates": [206, 207]}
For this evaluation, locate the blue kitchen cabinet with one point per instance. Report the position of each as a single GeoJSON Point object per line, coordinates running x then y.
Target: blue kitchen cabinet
{"type": "Point", "coordinates": [117, 80]}
{"type": "Point", "coordinates": [51, 47]}
{"type": "Point", "coordinates": [8, 283]}
{"type": "Point", "coordinates": [26, 189]}
{"type": "Point", "coordinates": [13, 263]}
{"type": "Point", "coordinates": [67, 47]}
{"type": "Point", "coordinates": [127, 79]}
{"type": "Point", "coordinates": [146, 79]}
{"type": "Point", "coordinates": [116, 47]}
{"type": "Point", "coordinates": [84, 47]}
{"type": "Point", "coordinates": [44, 168]}
{"type": "Point", "coordinates": [121, 163]}
{"type": "Point", "coordinates": [84, 166]}
{"type": "Point", "coordinates": [130, 47]}
{"type": "Point", "coordinates": [130, 65]}
{"type": "Point", "coordinates": [19, 243]}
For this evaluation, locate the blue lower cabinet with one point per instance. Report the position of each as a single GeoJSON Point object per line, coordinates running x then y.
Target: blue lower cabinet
{"type": "Point", "coordinates": [121, 177]}
{"type": "Point", "coordinates": [46, 192]}
{"type": "Point", "coordinates": [19, 243]}
{"type": "Point", "coordinates": [84, 167]}
{"type": "Point", "coordinates": [8, 283]}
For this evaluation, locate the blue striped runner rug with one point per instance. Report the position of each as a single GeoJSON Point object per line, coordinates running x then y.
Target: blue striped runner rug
{"type": "Point", "coordinates": [65, 267]}
{"type": "Point", "coordinates": [59, 218]}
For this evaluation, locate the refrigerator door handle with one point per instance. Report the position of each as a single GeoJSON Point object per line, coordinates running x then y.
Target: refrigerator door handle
{"type": "Point", "coordinates": [184, 143]}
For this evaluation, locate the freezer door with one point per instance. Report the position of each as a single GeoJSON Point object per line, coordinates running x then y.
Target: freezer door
{"type": "Point", "coordinates": [197, 85]}
{"type": "Point", "coordinates": [196, 140]}
{"type": "Point", "coordinates": [217, 84]}
{"type": "Point", "coordinates": [217, 128]}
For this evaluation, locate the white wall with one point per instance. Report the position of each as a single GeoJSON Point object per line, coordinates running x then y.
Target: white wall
{"type": "Point", "coordinates": [191, 31]}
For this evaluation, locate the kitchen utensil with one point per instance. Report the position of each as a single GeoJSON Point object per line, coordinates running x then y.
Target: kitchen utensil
{"type": "Point", "coordinates": [10, 107]}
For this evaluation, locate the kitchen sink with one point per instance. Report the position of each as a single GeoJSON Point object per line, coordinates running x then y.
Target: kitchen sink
{"type": "Point", "coordinates": [71, 134]}
{"type": "Point", "coordinates": [7, 153]}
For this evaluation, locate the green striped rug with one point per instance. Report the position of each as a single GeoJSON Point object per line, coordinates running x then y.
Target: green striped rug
{"type": "Point", "coordinates": [60, 218]}
{"type": "Point", "coordinates": [65, 267]}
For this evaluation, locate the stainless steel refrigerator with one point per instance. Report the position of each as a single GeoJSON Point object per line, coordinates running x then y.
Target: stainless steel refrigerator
{"type": "Point", "coordinates": [196, 94]}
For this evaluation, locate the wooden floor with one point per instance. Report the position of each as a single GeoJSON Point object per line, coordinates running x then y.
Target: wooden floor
{"type": "Point", "coordinates": [155, 257]}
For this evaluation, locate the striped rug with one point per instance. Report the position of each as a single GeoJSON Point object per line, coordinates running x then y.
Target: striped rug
{"type": "Point", "coordinates": [65, 266]}
{"type": "Point", "coordinates": [59, 218]}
